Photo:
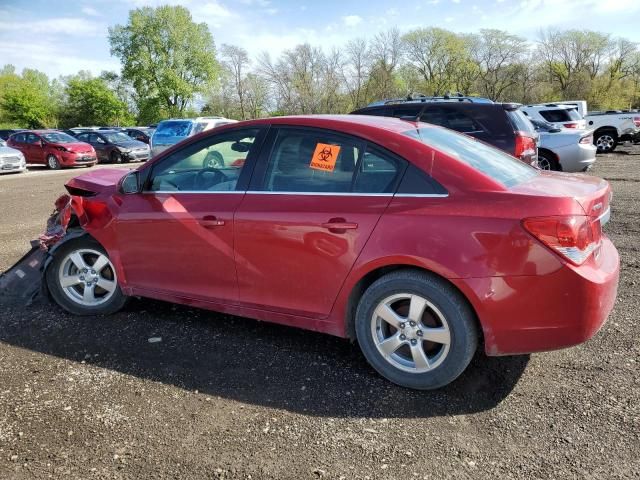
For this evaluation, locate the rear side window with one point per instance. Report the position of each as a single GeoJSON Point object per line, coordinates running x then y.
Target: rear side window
{"type": "Point", "coordinates": [469, 118]}
{"type": "Point", "coordinates": [490, 161]}
{"type": "Point", "coordinates": [520, 122]}
{"type": "Point", "coordinates": [320, 162]}
{"type": "Point", "coordinates": [20, 138]}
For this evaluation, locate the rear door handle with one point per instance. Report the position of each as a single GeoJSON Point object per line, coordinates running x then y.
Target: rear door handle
{"type": "Point", "coordinates": [338, 225]}
{"type": "Point", "coordinates": [210, 221]}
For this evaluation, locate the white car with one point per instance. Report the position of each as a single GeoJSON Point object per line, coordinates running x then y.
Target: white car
{"type": "Point", "coordinates": [169, 132]}
{"type": "Point", "coordinates": [559, 115]}
{"type": "Point", "coordinates": [564, 149]}
{"type": "Point", "coordinates": [613, 127]}
{"type": "Point", "coordinates": [11, 160]}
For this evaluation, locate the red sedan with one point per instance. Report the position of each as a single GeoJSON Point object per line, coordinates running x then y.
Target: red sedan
{"type": "Point", "coordinates": [53, 148]}
{"type": "Point", "coordinates": [417, 241]}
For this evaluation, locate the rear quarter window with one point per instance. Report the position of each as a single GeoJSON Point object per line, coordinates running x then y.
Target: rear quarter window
{"type": "Point", "coordinates": [520, 122]}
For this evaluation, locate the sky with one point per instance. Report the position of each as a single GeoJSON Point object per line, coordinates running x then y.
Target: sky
{"type": "Point", "coordinates": [63, 37]}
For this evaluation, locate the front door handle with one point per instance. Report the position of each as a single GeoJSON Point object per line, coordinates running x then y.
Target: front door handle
{"type": "Point", "coordinates": [339, 225]}
{"type": "Point", "coordinates": [210, 221]}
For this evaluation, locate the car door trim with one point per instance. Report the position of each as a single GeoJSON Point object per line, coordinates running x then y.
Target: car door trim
{"type": "Point", "coordinates": [324, 194]}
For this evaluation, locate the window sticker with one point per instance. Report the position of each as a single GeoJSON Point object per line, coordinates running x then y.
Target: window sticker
{"type": "Point", "coordinates": [324, 157]}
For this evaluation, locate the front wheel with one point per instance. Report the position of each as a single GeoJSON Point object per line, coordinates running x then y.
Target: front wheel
{"type": "Point", "coordinates": [116, 157]}
{"type": "Point", "coordinates": [605, 142]}
{"type": "Point", "coordinates": [82, 279]}
{"type": "Point", "coordinates": [416, 330]}
{"type": "Point", "coordinates": [53, 163]}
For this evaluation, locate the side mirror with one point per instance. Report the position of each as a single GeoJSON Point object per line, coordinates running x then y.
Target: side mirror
{"type": "Point", "coordinates": [130, 183]}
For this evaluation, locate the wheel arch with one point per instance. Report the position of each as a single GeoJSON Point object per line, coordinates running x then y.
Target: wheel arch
{"type": "Point", "coordinates": [368, 278]}
{"type": "Point", "coordinates": [606, 129]}
{"type": "Point", "coordinates": [552, 154]}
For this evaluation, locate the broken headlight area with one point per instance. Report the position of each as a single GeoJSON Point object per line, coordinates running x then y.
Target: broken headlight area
{"type": "Point", "coordinates": [21, 284]}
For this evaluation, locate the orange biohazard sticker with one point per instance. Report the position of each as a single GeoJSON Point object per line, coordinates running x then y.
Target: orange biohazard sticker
{"type": "Point", "coordinates": [324, 157]}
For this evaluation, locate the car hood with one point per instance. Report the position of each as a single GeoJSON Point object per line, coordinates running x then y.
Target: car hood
{"type": "Point", "coordinates": [131, 144]}
{"type": "Point", "coordinates": [96, 181]}
{"type": "Point", "coordinates": [73, 147]}
{"type": "Point", "coordinates": [592, 193]}
{"type": "Point", "coordinates": [9, 151]}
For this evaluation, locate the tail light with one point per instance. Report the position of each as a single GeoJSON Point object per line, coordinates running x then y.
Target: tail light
{"type": "Point", "coordinates": [588, 140]}
{"type": "Point", "coordinates": [525, 146]}
{"type": "Point", "coordinates": [574, 238]}
{"type": "Point", "coordinates": [570, 125]}
{"type": "Point", "coordinates": [636, 120]}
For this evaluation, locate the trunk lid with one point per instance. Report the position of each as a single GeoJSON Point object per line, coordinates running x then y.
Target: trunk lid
{"type": "Point", "coordinates": [592, 193]}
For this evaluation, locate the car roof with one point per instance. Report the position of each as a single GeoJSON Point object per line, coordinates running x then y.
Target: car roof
{"type": "Point", "coordinates": [332, 121]}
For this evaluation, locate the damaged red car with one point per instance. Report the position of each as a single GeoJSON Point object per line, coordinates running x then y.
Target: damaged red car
{"type": "Point", "coordinates": [420, 243]}
{"type": "Point", "coordinates": [53, 148]}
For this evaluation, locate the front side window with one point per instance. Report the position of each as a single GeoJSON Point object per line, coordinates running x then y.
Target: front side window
{"type": "Point", "coordinates": [491, 161]}
{"type": "Point", "coordinates": [211, 165]}
{"type": "Point", "coordinates": [117, 137]}
{"type": "Point", "coordinates": [305, 161]}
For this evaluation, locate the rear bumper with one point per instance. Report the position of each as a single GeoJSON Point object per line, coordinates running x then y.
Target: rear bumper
{"type": "Point", "coordinates": [526, 314]}
{"type": "Point", "coordinates": [577, 158]}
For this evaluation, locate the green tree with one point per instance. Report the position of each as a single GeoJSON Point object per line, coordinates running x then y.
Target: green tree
{"type": "Point", "coordinates": [90, 101]}
{"type": "Point", "coordinates": [166, 56]}
{"type": "Point", "coordinates": [27, 100]}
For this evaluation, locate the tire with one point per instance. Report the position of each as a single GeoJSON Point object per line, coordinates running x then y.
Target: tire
{"type": "Point", "coordinates": [446, 317]}
{"type": "Point", "coordinates": [104, 296]}
{"type": "Point", "coordinates": [115, 157]}
{"type": "Point", "coordinates": [52, 162]}
{"type": "Point", "coordinates": [606, 141]}
{"type": "Point", "coordinates": [546, 161]}
{"type": "Point", "coordinates": [213, 159]}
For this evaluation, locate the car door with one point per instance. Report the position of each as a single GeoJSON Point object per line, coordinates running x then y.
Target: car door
{"type": "Point", "coordinates": [177, 235]}
{"type": "Point", "coordinates": [313, 203]}
{"type": "Point", "coordinates": [35, 149]}
{"type": "Point", "coordinates": [100, 146]}
{"type": "Point", "coordinates": [19, 142]}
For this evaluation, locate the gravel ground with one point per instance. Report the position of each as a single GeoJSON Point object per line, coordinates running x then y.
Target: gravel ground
{"type": "Point", "coordinates": [226, 397]}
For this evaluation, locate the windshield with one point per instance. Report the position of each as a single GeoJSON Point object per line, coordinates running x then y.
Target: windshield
{"type": "Point", "coordinates": [117, 137]}
{"type": "Point", "coordinates": [492, 162]}
{"type": "Point", "coordinates": [58, 137]}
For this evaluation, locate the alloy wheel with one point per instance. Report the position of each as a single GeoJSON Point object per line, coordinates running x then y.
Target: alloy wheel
{"type": "Point", "coordinates": [543, 163]}
{"type": "Point", "coordinates": [87, 277]}
{"type": "Point", "coordinates": [52, 162]}
{"type": "Point", "coordinates": [605, 143]}
{"type": "Point", "coordinates": [410, 332]}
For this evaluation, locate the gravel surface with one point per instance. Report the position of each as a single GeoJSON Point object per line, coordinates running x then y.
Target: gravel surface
{"type": "Point", "coordinates": [164, 391]}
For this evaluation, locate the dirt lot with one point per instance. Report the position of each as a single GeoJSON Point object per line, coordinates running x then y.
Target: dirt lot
{"type": "Point", "coordinates": [223, 397]}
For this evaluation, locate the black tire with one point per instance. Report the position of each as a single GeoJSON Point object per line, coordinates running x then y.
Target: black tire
{"type": "Point", "coordinates": [459, 316]}
{"type": "Point", "coordinates": [213, 159]}
{"type": "Point", "coordinates": [546, 161]}
{"type": "Point", "coordinates": [112, 305]}
{"type": "Point", "coordinates": [52, 162]}
{"type": "Point", "coordinates": [605, 141]}
{"type": "Point", "coordinates": [115, 157]}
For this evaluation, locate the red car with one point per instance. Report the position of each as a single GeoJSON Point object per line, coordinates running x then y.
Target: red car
{"type": "Point", "coordinates": [419, 242]}
{"type": "Point", "coordinates": [53, 148]}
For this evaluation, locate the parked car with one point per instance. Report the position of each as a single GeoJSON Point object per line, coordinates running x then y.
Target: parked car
{"type": "Point", "coordinates": [116, 147]}
{"type": "Point", "coordinates": [170, 132]}
{"type": "Point", "coordinates": [559, 115]}
{"type": "Point", "coordinates": [52, 148]}
{"type": "Point", "coordinates": [11, 160]}
{"type": "Point", "coordinates": [417, 241]}
{"type": "Point", "coordinates": [500, 124]}
{"type": "Point", "coordinates": [613, 127]}
{"type": "Point", "coordinates": [566, 150]}
{"type": "Point", "coordinates": [142, 134]}
{"type": "Point", "coordinates": [6, 133]}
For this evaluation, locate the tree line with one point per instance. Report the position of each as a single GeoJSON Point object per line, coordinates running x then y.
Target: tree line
{"type": "Point", "coordinates": [171, 68]}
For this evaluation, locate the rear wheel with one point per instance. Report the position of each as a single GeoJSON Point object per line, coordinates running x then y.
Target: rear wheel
{"type": "Point", "coordinates": [546, 161]}
{"type": "Point", "coordinates": [82, 279]}
{"type": "Point", "coordinates": [605, 141]}
{"type": "Point", "coordinates": [52, 162]}
{"type": "Point", "coordinates": [416, 330]}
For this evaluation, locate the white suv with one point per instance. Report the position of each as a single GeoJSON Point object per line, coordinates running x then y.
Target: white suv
{"type": "Point", "coordinates": [559, 115]}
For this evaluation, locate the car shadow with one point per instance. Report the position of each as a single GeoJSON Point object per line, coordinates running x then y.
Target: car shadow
{"type": "Point", "coordinates": [249, 361]}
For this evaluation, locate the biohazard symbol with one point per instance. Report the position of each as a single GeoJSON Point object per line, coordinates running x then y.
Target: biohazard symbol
{"type": "Point", "coordinates": [324, 157]}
